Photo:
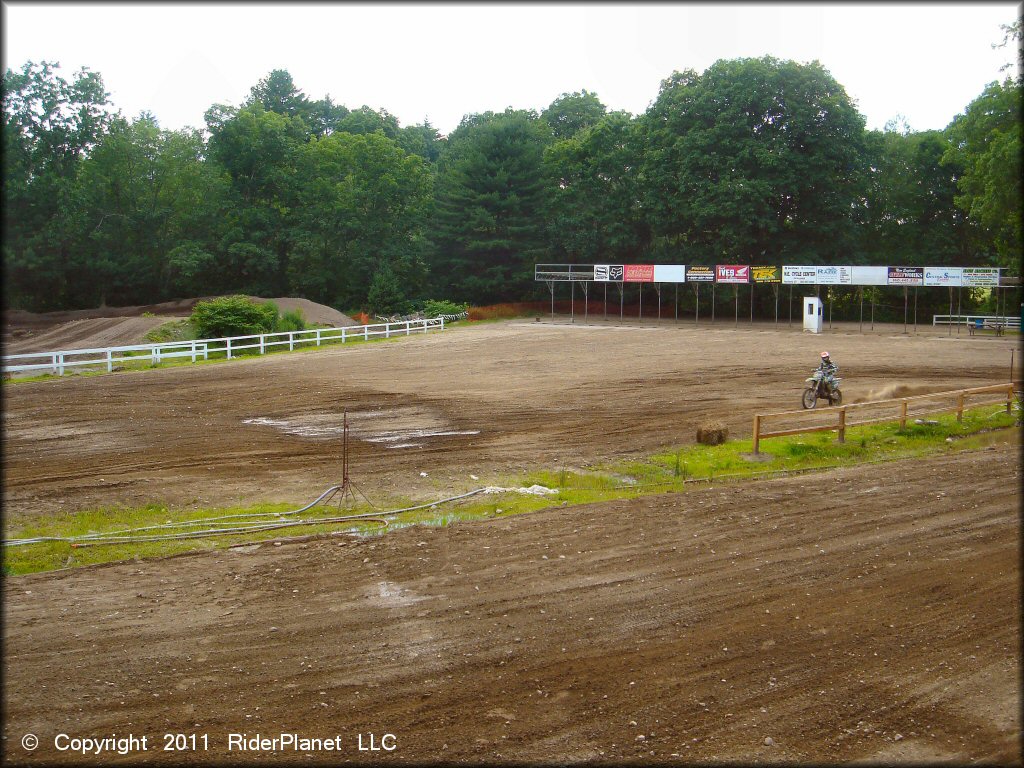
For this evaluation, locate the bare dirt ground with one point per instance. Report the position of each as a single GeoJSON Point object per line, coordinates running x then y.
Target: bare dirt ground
{"type": "Point", "coordinates": [871, 613]}
{"type": "Point", "coordinates": [491, 400]}
{"type": "Point", "coordinates": [882, 627]}
{"type": "Point", "coordinates": [115, 326]}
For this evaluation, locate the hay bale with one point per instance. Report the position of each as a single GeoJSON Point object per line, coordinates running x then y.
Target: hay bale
{"type": "Point", "coordinates": [712, 433]}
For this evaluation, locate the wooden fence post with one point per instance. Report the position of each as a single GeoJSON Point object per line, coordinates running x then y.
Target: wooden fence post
{"type": "Point", "coordinates": [1009, 399]}
{"type": "Point", "coordinates": [960, 408]}
{"type": "Point", "coordinates": [903, 414]}
{"type": "Point", "coordinates": [842, 425]}
{"type": "Point", "coordinates": [757, 432]}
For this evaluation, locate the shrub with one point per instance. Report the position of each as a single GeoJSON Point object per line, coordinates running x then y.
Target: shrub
{"type": "Point", "coordinates": [291, 321]}
{"type": "Point", "coordinates": [436, 308]}
{"type": "Point", "coordinates": [233, 316]}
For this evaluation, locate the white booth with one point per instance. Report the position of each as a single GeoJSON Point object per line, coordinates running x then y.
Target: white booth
{"type": "Point", "coordinates": [812, 314]}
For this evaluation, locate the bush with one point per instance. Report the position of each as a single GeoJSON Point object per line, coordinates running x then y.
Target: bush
{"type": "Point", "coordinates": [434, 308]}
{"type": "Point", "coordinates": [233, 316]}
{"type": "Point", "coordinates": [291, 321]}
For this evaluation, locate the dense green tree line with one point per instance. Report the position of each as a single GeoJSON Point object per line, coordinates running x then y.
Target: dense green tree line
{"type": "Point", "coordinates": [752, 161]}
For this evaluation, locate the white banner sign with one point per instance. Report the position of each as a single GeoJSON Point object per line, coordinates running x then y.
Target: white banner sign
{"type": "Point", "coordinates": [950, 276]}
{"type": "Point", "coordinates": [870, 275]}
{"type": "Point", "coordinates": [799, 275]}
{"type": "Point", "coordinates": [833, 276]}
{"type": "Point", "coordinates": [669, 273]}
{"type": "Point", "coordinates": [975, 276]}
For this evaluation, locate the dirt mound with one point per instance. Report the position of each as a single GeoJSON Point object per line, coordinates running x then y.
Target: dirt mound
{"type": "Point", "coordinates": [88, 333]}
{"type": "Point", "coordinates": [115, 326]}
{"type": "Point", "coordinates": [312, 312]}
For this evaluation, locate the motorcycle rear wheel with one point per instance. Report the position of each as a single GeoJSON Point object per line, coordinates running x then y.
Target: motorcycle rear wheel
{"type": "Point", "coordinates": [836, 398]}
{"type": "Point", "coordinates": [810, 397]}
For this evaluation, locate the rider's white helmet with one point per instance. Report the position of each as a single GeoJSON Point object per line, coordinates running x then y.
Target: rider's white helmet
{"type": "Point", "coordinates": [824, 355]}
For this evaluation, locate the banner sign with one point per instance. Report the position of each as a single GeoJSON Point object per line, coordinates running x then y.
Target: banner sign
{"type": "Point", "coordinates": [696, 274]}
{"type": "Point", "coordinates": [732, 273]}
{"type": "Point", "coordinates": [799, 275]}
{"type": "Point", "coordinates": [833, 276]}
{"type": "Point", "coordinates": [639, 273]}
{"type": "Point", "coordinates": [950, 276]}
{"type": "Point", "coordinates": [669, 273]}
{"type": "Point", "coordinates": [906, 276]}
{"type": "Point", "coordinates": [765, 274]}
{"type": "Point", "coordinates": [870, 275]}
{"type": "Point", "coordinates": [984, 276]}
{"type": "Point", "coordinates": [605, 273]}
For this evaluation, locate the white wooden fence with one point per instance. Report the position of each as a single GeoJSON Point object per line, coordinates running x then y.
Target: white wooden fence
{"type": "Point", "coordinates": [58, 362]}
{"type": "Point", "coordinates": [1005, 321]}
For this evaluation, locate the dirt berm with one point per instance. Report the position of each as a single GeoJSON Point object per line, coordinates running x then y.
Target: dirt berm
{"type": "Point", "coordinates": [115, 326]}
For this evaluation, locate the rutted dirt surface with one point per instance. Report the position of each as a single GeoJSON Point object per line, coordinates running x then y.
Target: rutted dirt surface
{"type": "Point", "coordinates": [492, 401]}
{"type": "Point", "coordinates": [882, 625]}
{"type": "Point", "coordinates": [84, 333]}
{"type": "Point", "coordinates": [870, 613]}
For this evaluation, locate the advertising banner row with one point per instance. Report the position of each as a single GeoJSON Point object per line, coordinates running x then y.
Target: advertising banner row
{"type": "Point", "coordinates": [789, 275]}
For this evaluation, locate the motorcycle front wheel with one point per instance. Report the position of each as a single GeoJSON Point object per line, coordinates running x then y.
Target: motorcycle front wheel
{"type": "Point", "coordinates": [810, 397]}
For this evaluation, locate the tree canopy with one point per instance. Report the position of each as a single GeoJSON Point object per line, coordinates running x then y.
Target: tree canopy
{"type": "Point", "coordinates": [754, 160]}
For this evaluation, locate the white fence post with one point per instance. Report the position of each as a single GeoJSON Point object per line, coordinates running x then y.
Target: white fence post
{"type": "Point", "coordinates": [342, 335]}
{"type": "Point", "coordinates": [387, 330]}
{"type": "Point", "coordinates": [154, 355]}
{"type": "Point", "coordinates": [318, 337]}
{"type": "Point", "coordinates": [366, 333]}
{"type": "Point", "coordinates": [291, 341]}
{"type": "Point", "coordinates": [263, 340]}
{"type": "Point", "coordinates": [110, 361]}
{"type": "Point", "coordinates": [60, 363]}
{"type": "Point", "coordinates": [228, 347]}
{"type": "Point", "coordinates": [193, 350]}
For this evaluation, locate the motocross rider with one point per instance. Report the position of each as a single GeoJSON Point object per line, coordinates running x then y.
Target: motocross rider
{"type": "Point", "coordinates": [828, 370]}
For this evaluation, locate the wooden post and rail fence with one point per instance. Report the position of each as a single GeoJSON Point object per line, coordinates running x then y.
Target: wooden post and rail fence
{"type": "Point", "coordinates": [952, 401]}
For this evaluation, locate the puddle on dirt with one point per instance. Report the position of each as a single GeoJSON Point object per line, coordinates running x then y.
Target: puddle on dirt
{"type": "Point", "coordinates": [389, 593]}
{"type": "Point", "coordinates": [404, 427]}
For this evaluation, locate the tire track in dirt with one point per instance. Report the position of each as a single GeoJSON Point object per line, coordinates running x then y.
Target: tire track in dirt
{"type": "Point", "coordinates": [883, 624]}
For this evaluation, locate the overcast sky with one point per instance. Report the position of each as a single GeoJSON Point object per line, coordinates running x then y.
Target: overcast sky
{"type": "Point", "coordinates": [440, 61]}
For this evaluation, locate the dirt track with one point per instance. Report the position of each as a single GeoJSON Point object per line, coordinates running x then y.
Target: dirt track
{"type": "Point", "coordinates": [490, 400]}
{"type": "Point", "coordinates": [881, 626]}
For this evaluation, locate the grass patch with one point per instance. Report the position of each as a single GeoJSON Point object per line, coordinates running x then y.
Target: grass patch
{"type": "Point", "coordinates": [175, 330]}
{"type": "Point", "coordinates": [672, 470]}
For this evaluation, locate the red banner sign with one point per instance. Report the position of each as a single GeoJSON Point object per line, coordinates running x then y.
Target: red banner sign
{"type": "Point", "coordinates": [639, 273]}
{"type": "Point", "coordinates": [732, 273]}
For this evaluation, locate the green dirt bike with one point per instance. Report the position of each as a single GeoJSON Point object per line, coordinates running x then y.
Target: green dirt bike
{"type": "Point", "coordinates": [817, 388]}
